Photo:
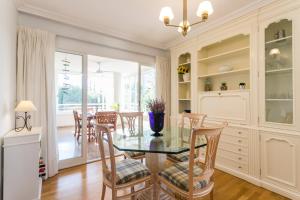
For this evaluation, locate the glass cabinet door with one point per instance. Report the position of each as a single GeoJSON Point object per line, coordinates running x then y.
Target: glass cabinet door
{"type": "Point", "coordinates": [279, 97]}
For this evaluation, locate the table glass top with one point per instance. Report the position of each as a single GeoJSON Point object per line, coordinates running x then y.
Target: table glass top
{"type": "Point", "coordinates": [171, 142]}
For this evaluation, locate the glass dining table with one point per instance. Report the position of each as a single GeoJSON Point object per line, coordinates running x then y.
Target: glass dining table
{"type": "Point", "coordinates": [172, 141]}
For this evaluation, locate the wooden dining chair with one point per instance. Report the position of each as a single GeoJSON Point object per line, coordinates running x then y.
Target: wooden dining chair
{"type": "Point", "coordinates": [108, 118]}
{"type": "Point", "coordinates": [192, 179]}
{"type": "Point", "coordinates": [131, 119]}
{"type": "Point", "coordinates": [77, 124]}
{"type": "Point", "coordinates": [189, 121]}
{"type": "Point", "coordinates": [123, 174]}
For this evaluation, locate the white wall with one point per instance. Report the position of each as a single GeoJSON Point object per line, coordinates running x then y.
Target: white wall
{"type": "Point", "coordinates": [8, 35]}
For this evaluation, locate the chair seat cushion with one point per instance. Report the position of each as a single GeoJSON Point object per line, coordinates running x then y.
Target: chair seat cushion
{"type": "Point", "coordinates": [129, 170]}
{"type": "Point", "coordinates": [133, 154]}
{"type": "Point", "coordinates": [181, 157]}
{"type": "Point", "coordinates": [178, 176]}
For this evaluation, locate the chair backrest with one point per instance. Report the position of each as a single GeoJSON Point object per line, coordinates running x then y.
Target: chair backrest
{"type": "Point", "coordinates": [131, 118]}
{"type": "Point", "coordinates": [212, 135]}
{"type": "Point", "coordinates": [76, 117]}
{"type": "Point", "coordinates": [194, 120]}
{"type": "Point", "coordinates": [107, 117]}
{"type": "Point", "coordinates": [103, 133]}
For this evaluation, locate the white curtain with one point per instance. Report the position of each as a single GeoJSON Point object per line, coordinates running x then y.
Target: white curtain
{"type": "Point", "coordinates": [36, 82]}
{"type": "Point", "coordinates": [163, 84]}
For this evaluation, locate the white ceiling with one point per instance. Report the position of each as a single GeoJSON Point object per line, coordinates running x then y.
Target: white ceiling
{"type": "Point", "coordinates": [111, 65]}
{"type": "Point", "coordinates": [135, 20]}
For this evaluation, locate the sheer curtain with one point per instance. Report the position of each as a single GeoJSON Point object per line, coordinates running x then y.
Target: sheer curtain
{"type": "Point", "coordinates": [163, 84]}
{"type": "Point", "coordinates": [36, 82]}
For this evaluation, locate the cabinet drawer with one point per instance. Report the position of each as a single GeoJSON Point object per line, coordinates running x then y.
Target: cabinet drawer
{"type": "Point", "coordinates": [234, 140]}
{"type": "Point", "coordinates": [232, 164]}
{"type": "Point", "coordinates": [238, 132]}
{"type": "Point", "coordinates": [240, 158]}
{"type": "Point", "coordinates": [233, 148]}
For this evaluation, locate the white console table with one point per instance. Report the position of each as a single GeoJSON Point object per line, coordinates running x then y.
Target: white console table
{"type": "Point", "coordinates": [21, 165]}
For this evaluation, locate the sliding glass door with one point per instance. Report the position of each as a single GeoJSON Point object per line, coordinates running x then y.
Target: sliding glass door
{"type": "Point", "coordinates": [86, 85]}
{"type": "Point", "coordinates": [117, 85]}
{"type": "Point", "coordinates": [70, 117]}
{"type": "Point", "coordinates": [147, 90]}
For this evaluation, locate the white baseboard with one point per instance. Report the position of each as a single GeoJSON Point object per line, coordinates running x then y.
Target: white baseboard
{"type": "Point", "coordinates": [238, 174]}
{"type": "Point", "coordinates": [284, 192]}
{"type": "Point", "coordinates": [256, 181]}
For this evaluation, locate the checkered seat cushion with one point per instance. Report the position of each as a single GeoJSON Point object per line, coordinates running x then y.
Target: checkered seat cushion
{"type": "Point", "coordinates": [133, 154]}
{"type": "Point", "coordinates": [129, 170]}
{"type": "Point", "coordinates": [178, 176]}
{"type": "Point", "coordinates": [181, 157]}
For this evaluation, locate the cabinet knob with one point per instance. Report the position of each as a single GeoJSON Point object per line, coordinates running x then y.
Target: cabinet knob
{"type": "Point", "coordinates": [239, 149]}
{"type": "Point", "coordinates": [240, 158]}
{"type": "Point", "coordinates": [239, 167]}
{"type": "Point", "coordinates": [239, 132]}
{"type": "Point", "coordinates": [239, 141]}
{"type": "Point", "coordinates": [219, 93]}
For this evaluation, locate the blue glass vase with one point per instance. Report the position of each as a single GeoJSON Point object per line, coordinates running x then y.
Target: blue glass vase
{"type": "Point", "coordinates": [156, 122]}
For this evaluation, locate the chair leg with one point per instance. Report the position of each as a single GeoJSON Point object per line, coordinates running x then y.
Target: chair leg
{"type": "Point", "coordinates": [212, 194]}
{"type": "Point", "coordinates": [78, 134]}
{"type": "Point", "coordinates": [103, 191]}
{"type": "Point", "coordinates": [132, 191]}
{"type": "Point", "coordinates": [114, 194]}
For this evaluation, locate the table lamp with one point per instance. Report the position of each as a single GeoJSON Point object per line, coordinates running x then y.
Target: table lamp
{"type": "Point", "coordinates": [25, 106]}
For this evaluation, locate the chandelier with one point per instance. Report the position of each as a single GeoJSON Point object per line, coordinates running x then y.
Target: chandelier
{"type": "Point", "coordinates": [204, 10]}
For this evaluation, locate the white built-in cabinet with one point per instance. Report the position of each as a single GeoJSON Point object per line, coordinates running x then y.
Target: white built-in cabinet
{"type": "Point", "coordinates": [280, 160]}
{"type": "Point", "coordinates": [261, 50]}
{"type": "Point", "coordinates": [232, 106]}
{"type": "Point", "coordinates": [22, 151]}
{"type": "Point", "coordinates": [278, 51]}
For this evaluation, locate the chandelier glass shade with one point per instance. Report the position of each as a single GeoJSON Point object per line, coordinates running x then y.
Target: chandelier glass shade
{"type": "Point", "coordinates": [204, 10]}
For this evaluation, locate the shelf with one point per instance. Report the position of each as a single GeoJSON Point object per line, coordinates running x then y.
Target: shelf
{"type": "Point", "coordinates": [278, 40]}
{"type": "Point", "coordinates": [279, 70]}
{"type": "Point", "coordinates": [279, 99]}
{"type": "Point", "coordinates": [187, 63]}
{"type": "Point", "coordinates": [226, 91]}
{"type": "Point", "coordinates": [224, 73]}
{"type": "Point", "coordinates": [232, 52]}
{"type": "Point", "coordinates": [184, 82]}
{"type": "Point", "coordinates": [184, 99]}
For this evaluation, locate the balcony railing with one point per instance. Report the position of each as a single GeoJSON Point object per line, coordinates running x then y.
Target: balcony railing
{"type": "Point", "coordinates": [94, 107]}
{"type": "Point", "coordinates": [90, 107]}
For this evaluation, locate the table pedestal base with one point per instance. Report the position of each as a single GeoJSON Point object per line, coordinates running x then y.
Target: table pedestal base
{"type": "Point", "coordinates": [155, 162]}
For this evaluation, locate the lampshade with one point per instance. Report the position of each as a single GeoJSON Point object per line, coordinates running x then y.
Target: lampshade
{"type": "Point", "coordinates": [25, 106]}
{"type": "Point", "coordinates": [166, 12]}
{"type": "Point", "coordinates": [205, 7]}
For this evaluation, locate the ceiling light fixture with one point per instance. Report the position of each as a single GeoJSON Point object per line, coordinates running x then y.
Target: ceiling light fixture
{"type": "Point", "coordinates": [204, 10]}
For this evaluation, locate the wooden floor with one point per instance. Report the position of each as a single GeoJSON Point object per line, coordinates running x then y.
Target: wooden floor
{"type": "Point", "coordinates": [84, 183]}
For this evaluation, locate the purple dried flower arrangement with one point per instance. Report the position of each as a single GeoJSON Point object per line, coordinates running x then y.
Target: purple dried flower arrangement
{"type": "Point", "coordinates": [156, 105]}
{"type": "Point", "coordinates": [156, 115]}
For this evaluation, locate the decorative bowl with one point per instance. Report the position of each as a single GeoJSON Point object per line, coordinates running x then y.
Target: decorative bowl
{"type": "Point", "coordinates": [225, 68]}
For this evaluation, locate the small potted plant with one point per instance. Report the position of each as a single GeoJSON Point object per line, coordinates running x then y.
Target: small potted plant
{"type": "Point", "coordinates": [156, 109]}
